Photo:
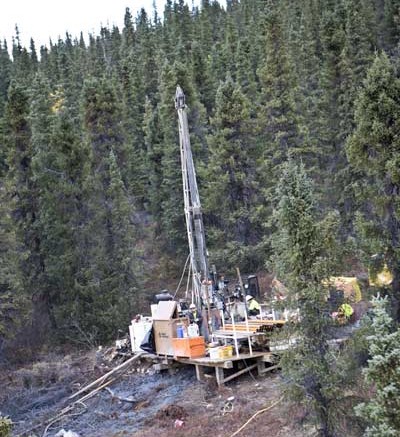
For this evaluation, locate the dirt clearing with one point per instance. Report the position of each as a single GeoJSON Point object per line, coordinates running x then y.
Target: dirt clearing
{"type": "Point", "coordinates": [142, 403]}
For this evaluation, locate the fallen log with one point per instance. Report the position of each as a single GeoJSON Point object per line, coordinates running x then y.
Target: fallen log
{"type": "Point", "coordinates": [108, 374]}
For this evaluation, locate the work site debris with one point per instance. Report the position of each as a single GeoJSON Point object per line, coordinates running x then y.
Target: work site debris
{"type": "Point", "coordinates": [63, 433]}
{"type": "Point", "coordinates": [178, 423]}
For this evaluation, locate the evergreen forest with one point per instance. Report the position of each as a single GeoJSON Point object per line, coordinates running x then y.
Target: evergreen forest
{"type": "Point", "coordinates": [294, 113]}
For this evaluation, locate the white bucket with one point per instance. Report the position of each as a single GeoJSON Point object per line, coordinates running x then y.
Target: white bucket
{"type": "Point", "coordinates": [214, 353]}
{"type": "Point", "coordinates": [193, 330]}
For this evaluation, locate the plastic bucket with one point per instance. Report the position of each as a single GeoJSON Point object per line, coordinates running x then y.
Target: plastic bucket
{"type": "Point", "coordinates": [214, 353]}
{"type": "Point", "coordinates": [193, 330]}
{"type": "Point", "coordinates": [225, 352]}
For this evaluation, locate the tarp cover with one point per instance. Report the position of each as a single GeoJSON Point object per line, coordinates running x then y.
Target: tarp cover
{"type": "Point", "coordinates": [148, 343]}
{"type": "Point", "coordinates": [166, 310]}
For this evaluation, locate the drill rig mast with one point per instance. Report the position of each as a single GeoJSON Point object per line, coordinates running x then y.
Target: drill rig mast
{"type": "Point", "coordinates": [193, 213]}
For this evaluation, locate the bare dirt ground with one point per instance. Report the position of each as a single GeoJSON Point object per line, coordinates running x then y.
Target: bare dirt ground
{"type": "Point", "coordinates": [169, 403]}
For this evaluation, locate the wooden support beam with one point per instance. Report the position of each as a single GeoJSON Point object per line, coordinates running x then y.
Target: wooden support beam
{"type": "Point", "coordinates": [235, 375]}
{"type": "Point", "coordinates": [262, 369]}
{"type": "Point", "coordinates": [219, 374]}
{"type": "Point", "coordinates": [199, 372]}
{"type": "Point", "coordinates": [224, 364]}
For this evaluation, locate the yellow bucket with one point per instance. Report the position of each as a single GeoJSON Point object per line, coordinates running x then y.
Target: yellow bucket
{"type": "Point", "coordinates": [225, 352]}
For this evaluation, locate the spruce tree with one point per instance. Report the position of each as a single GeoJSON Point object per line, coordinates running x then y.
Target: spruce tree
{"type": "Point", "coordinates": [23, 65]}
{"type": "Point", "coordinates": [154, 153]}
{"type": "Point", "coordinates": [231, 192]}
{"type": "Point", "coordinates": [13, 298]}
{"type": "Point", "coordinates": [277, 117]}
{"type": "Point", "coordinates": [381, 411]}
{"type": "Point", "coordinates": [172, 217]}
{"type": "Point", "coordinates": [107, 280]}
{"type": "Point", "coordinates": [5, 73]}
{"type": "Point", "coordinates": [58, 165]}
{"type": "Point", "coordinates": [20, 188]}
{"type": "Point", "coordinates": [355, 58]}
{"type": "Point", "coordinates": [389, 25]}
{"type": "Point", "coordinates": [330, 148]}
{"type": "Point", "coordinates": [302, 260]}
{"type": "Point", "coordinates": [41, 121]}
{"type": "Point", "coordinates": [374, 151]}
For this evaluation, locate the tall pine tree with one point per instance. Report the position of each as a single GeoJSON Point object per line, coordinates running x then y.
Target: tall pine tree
{"type": "Point", "coordinates": [374, 150]}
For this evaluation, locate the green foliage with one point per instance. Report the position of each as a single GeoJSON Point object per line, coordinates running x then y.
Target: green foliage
{"type": "Point", "coordinates": [12, 297]}
{"type": "Point", "coordinates": [381, 411]}
{"type": "Point", "coordinates": [89, 156]}
{"type": "Point", "coordinates": [5, 426]}
{"type": "Point", "coordinates": [232, 192]}
{"type": "Point", "coordinates": [374, 150]}
{"type": "Point", "coordinates": [106, 280]}
{"type": "Point", "coordinates": [302, 253]}
{"type": "Point", "coordinates": [279, 120]}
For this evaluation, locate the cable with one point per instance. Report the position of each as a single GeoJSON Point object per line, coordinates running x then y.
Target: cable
{"type": "Point", "coordinates": [188, 282]}
{"type": "Point", "coordinates": [254, 379]}
{"type": "Point", "coordinates": [183, 274]}
{"type": "Point", "coordinates": [255, 415]}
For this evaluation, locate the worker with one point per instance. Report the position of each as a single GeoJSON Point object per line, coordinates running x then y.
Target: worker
{"type": "Point", "coordinates": [253, 307]}
{"type": "Point", "coordinates": [195, 316]}
{"type": "Point", "coordinates": [346, 311]}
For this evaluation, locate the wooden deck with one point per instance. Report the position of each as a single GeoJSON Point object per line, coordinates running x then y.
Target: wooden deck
{"type": "Point", "coordinates": [262, 361]}
{"type": "Point", "coordinates": [252, 361]}
{"type": "Point", "coordinates": [232, 333]}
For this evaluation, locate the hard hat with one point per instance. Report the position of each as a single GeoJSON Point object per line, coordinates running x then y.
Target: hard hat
{"type": "Point", "coordinates": [192, 306]}
{"type": "Point", "coordinates": [248, 298]}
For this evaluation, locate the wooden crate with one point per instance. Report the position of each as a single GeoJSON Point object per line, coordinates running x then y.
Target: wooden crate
{"type": "Point", "coordinates": [164, 332]}
{"type": "Point", "coordinates": [189, 347]}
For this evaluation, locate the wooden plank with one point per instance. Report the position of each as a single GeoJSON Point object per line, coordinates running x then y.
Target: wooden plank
{"type": "Point", "coordinates": [225, 364]}
{"type": "Point", "coordinates": [260, 322]}
{"type": "Point", "coordinates": [253, 322]}
{"type": "Point", "coordinates": [235, 375]}
{"type": "Point", "coordinates": [239, 335]}
{"type": "Point", "coordinates": [211, 361]}
{"type": "Point", "coordinates": [262, 370]}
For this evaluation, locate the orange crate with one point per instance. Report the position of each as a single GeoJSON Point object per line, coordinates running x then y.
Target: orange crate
{"type": "Point", "coordinates": [189, 347]}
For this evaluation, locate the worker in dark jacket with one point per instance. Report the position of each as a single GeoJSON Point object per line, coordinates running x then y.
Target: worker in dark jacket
{"type": "Point", "coordinates": [195, 316]}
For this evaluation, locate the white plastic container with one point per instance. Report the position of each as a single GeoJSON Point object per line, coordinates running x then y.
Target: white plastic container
{"type": "Point", "coordinates": [137, 331]}
{"type": "Point", "coordinates": [153, 308]}
{"type": "Point", "coordinates": [214, 353]}
{"type": "Point", "coordinates": [193, 330]}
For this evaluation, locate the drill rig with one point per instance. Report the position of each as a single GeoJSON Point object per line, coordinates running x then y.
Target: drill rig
{"type": "Point", "coordinates": [205, 293]}
{"type": "Point", "coordinates": [202, 287]}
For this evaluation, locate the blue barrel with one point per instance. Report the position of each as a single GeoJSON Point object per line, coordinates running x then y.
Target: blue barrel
{"type": "Point", "coordinates": [179, 331]}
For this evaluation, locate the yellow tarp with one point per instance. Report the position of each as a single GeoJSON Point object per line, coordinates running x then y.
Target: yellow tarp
{"type": "Point", "coordinates": [384, 277]}
{"type": "Point", "coordinates": [349, 285]}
